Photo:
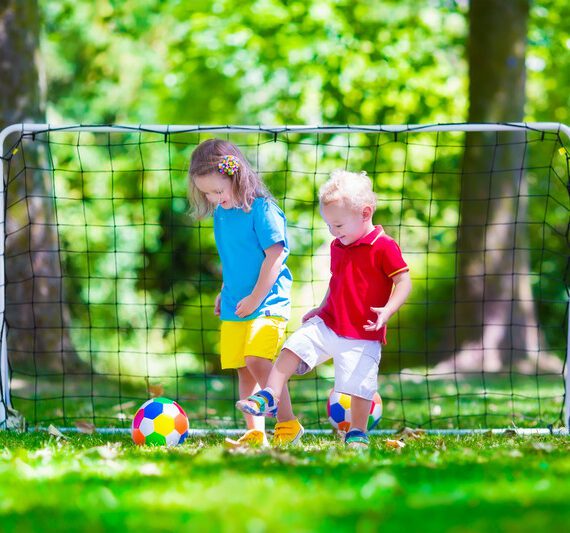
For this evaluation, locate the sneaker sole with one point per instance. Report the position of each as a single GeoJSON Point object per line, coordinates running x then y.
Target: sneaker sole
{"type": "Point", "coordinates": [244, 408]}
{"type": "Point", "coordinates": [357, 446]}
{"type": "Point", "coordinates": [231, 444]}
{"type": "Point", "coordinates": [297, 439]}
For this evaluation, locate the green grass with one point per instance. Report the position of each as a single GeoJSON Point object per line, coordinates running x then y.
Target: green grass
{"type": "Point", "coordinates": [456, 484]}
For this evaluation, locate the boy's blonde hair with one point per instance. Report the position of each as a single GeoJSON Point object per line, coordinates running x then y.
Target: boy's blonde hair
{"type": "Point", "coordinates": [352, 188]}
{"type": "Point", "coordinates": [246, 184]}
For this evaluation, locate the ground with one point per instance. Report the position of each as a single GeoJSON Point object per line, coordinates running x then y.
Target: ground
{"type": "Point", "coordinates": [453, 483]}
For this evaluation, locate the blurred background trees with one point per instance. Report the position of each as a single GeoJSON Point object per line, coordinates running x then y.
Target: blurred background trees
{"type": "Point", "coordinates": [495, 318]}
{"type": "Point", "coordinates": [33, 274]}
{"type": "Point", "coordinates": [286, 62]}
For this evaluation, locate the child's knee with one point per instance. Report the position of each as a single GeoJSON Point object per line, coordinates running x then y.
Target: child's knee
{"type": "Point", "coordinates": [254, 363]}
{"type": "Point", "coordinates": [288, 357]}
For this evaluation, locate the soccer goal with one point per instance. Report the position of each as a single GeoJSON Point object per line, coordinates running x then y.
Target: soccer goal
{"type": "Point", "coordinates": [108, 285]}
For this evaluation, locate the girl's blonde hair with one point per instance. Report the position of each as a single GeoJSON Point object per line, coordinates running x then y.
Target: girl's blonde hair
{"type": "Point", "coordinates": [352, 188]}
{"type": "Point", "coordinates": [246, 184]}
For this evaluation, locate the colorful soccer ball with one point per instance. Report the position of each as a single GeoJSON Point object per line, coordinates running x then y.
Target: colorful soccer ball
{"type": "Point", "coordinates": [160, 421]}
{"type": "Point", "coordinates": [338, 409]}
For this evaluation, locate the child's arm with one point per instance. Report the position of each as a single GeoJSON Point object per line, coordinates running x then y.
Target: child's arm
{"type": "Point", "coordinates": [402, 288]}
{"type": "Point", "coordinates": [268, 273]}
{"type": "Point", "coordinates": [315, 311]}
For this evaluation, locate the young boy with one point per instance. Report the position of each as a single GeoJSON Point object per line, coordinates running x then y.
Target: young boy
{"type": "Point", "coordinates": [369, 282]}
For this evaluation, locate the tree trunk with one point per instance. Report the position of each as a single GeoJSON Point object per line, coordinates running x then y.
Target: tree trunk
{"type": "Point", "coordinates": [495, 320]}
{"type": "Point", "coordinates": [38, 339]}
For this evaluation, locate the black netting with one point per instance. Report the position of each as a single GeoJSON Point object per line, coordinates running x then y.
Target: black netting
{"type": "Point", "coordinates": [110, 284]}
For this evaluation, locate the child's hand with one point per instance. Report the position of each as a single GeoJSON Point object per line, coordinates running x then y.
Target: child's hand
{"type": "Point", "coordinates": [217, 309]}
{"type": "Point", "coordinates": [310, 314]}
{"type": "Point", "coordinates": [383, 316]}
{"type": "Point", "coordinates": [246, 306]}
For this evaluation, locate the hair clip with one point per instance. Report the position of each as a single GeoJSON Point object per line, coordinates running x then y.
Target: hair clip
{"type": "Point", "coordinates": [229, 165]}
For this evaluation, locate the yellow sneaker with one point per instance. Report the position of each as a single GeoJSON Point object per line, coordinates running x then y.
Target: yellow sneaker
{"type": "Point", "coordinates": [288, 433]}
{"type": "Point", "coordinates": [253, 438]}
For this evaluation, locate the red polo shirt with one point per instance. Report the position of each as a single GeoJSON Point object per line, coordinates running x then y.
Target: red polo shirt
{"type": "Point", "coordinates": [361, 278]}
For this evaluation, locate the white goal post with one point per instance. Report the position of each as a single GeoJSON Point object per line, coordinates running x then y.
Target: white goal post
{"type": "Point", "coordinates": [6, 404]}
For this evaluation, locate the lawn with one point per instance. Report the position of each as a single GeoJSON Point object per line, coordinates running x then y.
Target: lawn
{"type": "Point", "coordinates": [104, 483]}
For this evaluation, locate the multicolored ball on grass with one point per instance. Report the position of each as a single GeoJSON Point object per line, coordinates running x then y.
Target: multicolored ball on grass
{"type": "Point", "coordinates": [160, 421]}
{"type": "Point", "coordinates": [338, 409]}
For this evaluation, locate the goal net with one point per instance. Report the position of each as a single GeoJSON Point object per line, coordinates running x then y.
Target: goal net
{"type": "Point", "coordinates": [108, 285]}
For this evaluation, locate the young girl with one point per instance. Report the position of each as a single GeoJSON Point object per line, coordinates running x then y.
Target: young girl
{"type": "Point", "coordinates": [254, 306]}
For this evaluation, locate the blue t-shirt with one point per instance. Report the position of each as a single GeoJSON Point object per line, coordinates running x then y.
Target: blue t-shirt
{"type": "Point", "coordinates": [241, 239]}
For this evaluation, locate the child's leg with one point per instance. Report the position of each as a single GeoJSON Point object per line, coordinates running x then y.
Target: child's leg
{"type": "Point", "coordinates": [282, 370]}
{"type": "Point", "coordinates": [285, 411]}
{"type": "Point", "coordinates": [356, 374]}
{"type": "Point", "coordinates": [261, 369]}
{"type": "Point", "coordinates": [359, 411]}
{"type": "Point", "coordinates": [275, 389]}
{"type": "Point", "coordinates": [247, 386]}
{"type": "Point", "coordinates": [255, 434]}
{"type": "Point", "coordinates": [288, 430]}
{"type": "Point", "coordinates": [357, 436]}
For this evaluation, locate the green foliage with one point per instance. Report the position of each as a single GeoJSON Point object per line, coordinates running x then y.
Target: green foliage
{"type": "Point", "coordinates": [548, 61]}
{"type": "Point", "coordinates": [141, 275]}
{"type": "Point", "coordinates": [263, 61]}
{"type": "Point", "coordinates": [139, 284]}
{"type": "Point", "coordinates": [271, 61]}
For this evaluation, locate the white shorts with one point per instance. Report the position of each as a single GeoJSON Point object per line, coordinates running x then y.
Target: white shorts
{"type": "Point", "coordinates": [356, 361]}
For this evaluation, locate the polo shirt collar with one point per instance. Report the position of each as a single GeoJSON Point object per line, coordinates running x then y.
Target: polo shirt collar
{"type": "Point", "coordinates": [369, 238]}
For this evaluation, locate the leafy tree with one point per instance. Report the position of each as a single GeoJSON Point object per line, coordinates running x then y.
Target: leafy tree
{"type": "Point", "coordinates": [493, 286]}
{"type": "Point", "coordinates": [39, 337]}
{"type": "Point", "coordinates": [272, 61]}
{"type": "Point", "coordinates": [548, 62]}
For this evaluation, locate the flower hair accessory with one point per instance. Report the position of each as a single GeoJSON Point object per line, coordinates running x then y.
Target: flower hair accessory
{"type": "Point", "coordinates": [229, 165]}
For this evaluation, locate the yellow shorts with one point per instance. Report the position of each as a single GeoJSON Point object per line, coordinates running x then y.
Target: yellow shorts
{"type": "Point", "coordinates": [260, 337]}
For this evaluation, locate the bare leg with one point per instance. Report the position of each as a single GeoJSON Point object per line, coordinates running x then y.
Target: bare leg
{"type": "Point", "coordinates": [360, 409]}
{"type": "Point", "coordinates": [282, 370]}
{"type": "Point", "coordinates": [261, 368]}
{"type": "Point", "coordinates": [248, 386]}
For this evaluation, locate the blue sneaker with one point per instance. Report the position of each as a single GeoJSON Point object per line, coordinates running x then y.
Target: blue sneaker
{"type": "Point", "coordinates": [262, 403]}
{"type": "Point", "coordinates": [357, 439]}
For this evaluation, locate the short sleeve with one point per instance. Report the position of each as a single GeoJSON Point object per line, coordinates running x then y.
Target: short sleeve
{"type": "Point", "coordinates": [392, 262]}
{"type": "Point", "coordinates": [269, 223]}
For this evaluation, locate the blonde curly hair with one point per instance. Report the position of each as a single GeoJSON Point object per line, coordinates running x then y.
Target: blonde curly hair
{"type": "Point", "coordinates": [354, 189]}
